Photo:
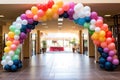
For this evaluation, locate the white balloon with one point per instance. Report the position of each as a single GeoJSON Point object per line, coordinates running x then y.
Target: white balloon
{"type": "Point", "coordinates": [97, 29]}
{"type": "Point", "coordinates": [87, 13]}
{"type": "Point", "coordinates": [92, 27]}
{"type": "Point", "coordinates": [78, 7]}
{"type": "Point", "coordinates": [11, 53]}
{"type": "Point", "coordinates": [3, 62]}
{"type": "Point", "coordinates": [75, 16]}
{"type": "Point", "coordinates": [93, 21]}
{"type": "Point", "coordinates": [16, 37]}
{"type": "Point", "coordinates": [8, 58]}
{"type": "Point", "coordinates": [81, 14]}
{"type": "Point", "coordinates": [24, 22]}
{"type": "Point", "coordinates": [19, 20]}
{"type": "Point", "coordinates": [5, 54]}
{"type": "Point", "coordinates": [18, 25]}
{"type": "Point", "coordinates": [87, 8]}
{"type": "Point", "coordinates": [10, 62]}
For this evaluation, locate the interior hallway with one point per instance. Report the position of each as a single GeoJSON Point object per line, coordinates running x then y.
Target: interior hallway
{"type": "Point", "coordinates": [60, 66]}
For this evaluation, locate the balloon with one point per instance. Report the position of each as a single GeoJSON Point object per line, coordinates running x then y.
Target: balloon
{"type": "Point", "coordinates": [87, 19]}
{"type": "Point", "coordinates": [100, 18]}
{"type": "Point", "coordinates": [75, 16]}
{"type": "Point", "coordinates": [87, 8]}
{"type": "Point", "coordinates": [108, 34]}
{"type": "Point", "coordinates": [60, 11]}
{"type": "Point", "coordinates": [103, 44]}
{"type": "Point", "coordinates": [30, 21]}
{"type": "Point", "coordinates": [55, 16]}
{"type": "Point", "coordinates": [70, 12]}
{"type": "Point", "coordinates": [13, 68]}
{"type": "Point", "coordinates": [93, 21]}
{"type": "Point", "coordinates": [28, 30]}
{"type": "Point", "coordinates": [3, 62]}
{"type": "Point", "coordinates": [97, 29]}
{"type": "Point", "coordinates": [18, 26]}
{"type": "Point", "coordinates": [17, 51]}
{"type": "Point", "coordinates": [86, 25]}
{"type": "Point", "coordinates": [23, 16]}
{"type": "Point", "coordinates": [29, 14]}
{"type": "Point", "coordinates": [102, 33]}
{"type": "Point", "coordinates": [16, 42]}
{"type": "Point", "coordinates": [111, 46]}
{"type": "Point", "coordinates": [24, 22]}
{"type": "Point", "coordinates": [3, 57]}
{"type": "Point", "coordinates": [106, 50]}
{"type": "Point", "coordinates": [7, 49]}
{"type": "Point", "coordinates": [109, 40]}
{"type": "Point", "coordinates": [16, 62]}
{"type": "Point", "coordinates": [59, 3]}
{"type": "Point", "coordinates": [99, 23]}
{"type": "Point", "coordinates": [105, 55]}
{"type": "Point", "coordinates": [81, 21]}
{"type": "Point", "coordinates": [109, 58]}
{"type": "Point", "coordinates": [111, 53]}
{"type": "Point", "coordinates": [78, 7]}
{"type": "Point", "coordinates": [95, 36]}
{"type": "Point", "coordinates": [66, 7]}
{"type": "Point", "coordinates": [15, 57]}
{"type": "Point", "coordinates": [49, 12]}
{"type": "Point", "coordinates": [65, 15]}
{"type": "Point", "coordinates": [23, 35]}
{"type": "Point", "coordinates": [96, 42]}
{"type": "Point", "coordinates": [92, 27]}
{"type": "Point", "coordinates": [100, 49]}
{"type": "Point", "coordinates": [102, 39]}
{"type": "Point", "coordinates": [8, 58]}
{"type": "Point", "coordinates": [19, 20]}
{"type": "Point", "coordinates": [12, 28]}
{"type": "Point", "coordinates": [13, 47]}
{"type": "Point", "coordinates": [44, 7]}
{"type": "Point", "coordinates": [11, 53]}
{"type": "Point", "coordinates": [102, 60]}
{"type": "Point", "coordinates": [7, 67]}
{"type": "Point", "coordinates": [16, 37]}
{"type": "Point", "coordinates": [108, 65]}
{"type": "Point", "coordinates": [71, 4]}
{"type": "Point", "coordinates": [104, 27]}
{"type": "Point", "coordinates": [55, 8]}
{"type": "Point", "coordinates": [34, 10]}
{"type": "Point", "coordinates": [11, 34]}
{"type": "Point", "coordinates": [40, 13]}
{"type": "Point", "coordinates": [9, 39]}
{"type": "Point", "coordinates": [50, 3]}
{"type": "Point", "coordinates": [10, 62]}
{"type": "Point", "coordinates": [8, 43]}
{"type": "Point", "coordinates": [20, 65]}
{"type": "Point", "coordinates": [17, 32]}
{"type": "Point", "coordinates": [94, 15]}
{"type": "Point", "coordinates": [35, 17]}
{"type": "Point", "coordinates": [115, 61]}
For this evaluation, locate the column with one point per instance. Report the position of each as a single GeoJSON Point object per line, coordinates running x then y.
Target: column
{"type": "Point", "coordinates": [26, 47]}
{"type": "Point", "coordinates": [38, 42]}
{"type": "Point", "coordinates": [81, 41]}
{"type": "Point", "coordinates": [1, 42]}
{"type": "Point", "coordinates": [91, 47]}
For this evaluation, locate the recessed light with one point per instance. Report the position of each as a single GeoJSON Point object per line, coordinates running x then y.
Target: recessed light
{"type": "Point", "coordinates": [2, 16]}
{"type": "Point", "coordinates": [60, 19]}
{"type": "Point", "coordinates": [107, 15]}
{"type": "Point", "coordinates": [60, 23]}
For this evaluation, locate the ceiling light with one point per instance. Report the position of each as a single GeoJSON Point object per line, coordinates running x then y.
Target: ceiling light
{"type": "Point", "coordinates": [60, 19]}
{"type": "Point", "coordinates": [60, 23]}
{"type": "Point", "coordinates": [2, 16]}
{"type": "Point", "coordinates": [107, 15]}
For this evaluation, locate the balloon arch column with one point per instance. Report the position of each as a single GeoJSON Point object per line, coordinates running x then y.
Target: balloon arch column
{"type": "Point", "coordinates": [80, 14]}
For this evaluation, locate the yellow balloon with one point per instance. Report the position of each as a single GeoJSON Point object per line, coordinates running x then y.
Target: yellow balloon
{"type": "Point", "coordinates": [102, 39]}
{"type": "Point", "coordinates": [34, 10]}
{"type": "Point", "coordinates": [11, 34]}
{"type": "Point", "coordinates": [44, 18]}
{"type": "Point", "coordinates": [49, 12]}
{"type": "Point", "coordinates": [95, 36]}
{"type": "Point", "coordinates": [59, 3]}
{"type": "Point", "coordinates": [7, 49]}
{"type": "Point", "coordinates": [55, 8]}
{"type": "Point", "coordinates": [8, 43]}
{"type": "Point", "coordinates": [102, 33]}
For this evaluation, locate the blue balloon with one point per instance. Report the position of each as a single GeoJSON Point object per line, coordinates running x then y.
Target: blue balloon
{"type": "Point", "coordinates": [108, 66]}
{"type": "Point", "coordinates": [65, 15]}
{"type": "Point", "coordinates": [35, 23]}
{"type": "Point", "coordinates": [100, 49]}
{"type": "Point", "coordinates": [7, 67]}
{"type": "Point", "coordinates": [105, 55]}
{"type": "Point", "coordinates": [87, 19]}
{"type": "Point", "coordinates": [76, 21]}
{"type": "Point", "coordinates": [81, 21]}
{"type": "Point", "coordinates": [102, 60]}
{"type": "Point", "coordinates": [13, 68]}
{"type": "Point", "coordinates": [29, 26]}
{"type": "Point", "coordinates": [102, 66]}
{"type": "Point", "coordinates": [16, 62]}
{"type": "Point", "coordinates": [19, 65]}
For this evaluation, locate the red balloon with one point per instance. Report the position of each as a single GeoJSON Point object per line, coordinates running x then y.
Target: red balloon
{"type": "Point", "coordinates": [50, 3]}
{"type": "Point", "coordinates": [113, 39]}
{"type": "Point", "coordinates": [108, 34]}
{"type": "Point", "coordinates": [44, 7]}
{"type": "Point", "coordinates": [39, 6]}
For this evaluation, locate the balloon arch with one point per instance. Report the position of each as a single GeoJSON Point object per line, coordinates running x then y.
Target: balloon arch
{"type": "Point", "coordinates": [80, 14]}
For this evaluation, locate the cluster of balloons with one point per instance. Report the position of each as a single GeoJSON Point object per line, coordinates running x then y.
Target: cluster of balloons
{"type": "Point", "coordinates": [80, 14]}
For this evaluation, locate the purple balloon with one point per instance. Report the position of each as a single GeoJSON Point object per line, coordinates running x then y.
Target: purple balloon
{"type": "Point", "coordinates": [115, 61]}
{"type": "Point", "coordinates": [111, 53]}
{"type": "Point", "coordinates": [23, 16]}
{"type": "Point", "coordinates": [72, 4]}
{"type": "Point", "coordinates": [106, 50]}
{"type": "Point", "coordinates": [109, 58]}
{"type": "Point", "coordinates": [28, 30]}
{"type": "Point", "coordinates": [22, 35]}
{"type": "Point", "coordinates": [71, 18]}
{"type": "Point", "coordinates": [21, 41]}
{"type": "Point", "coordinates": [94, 15]}
{"type": "Point", "coordinates": [100, 18]}
{"type": "Point", "coordinates": [30, 21]}
{"type": "Point", "coordinates": [71, 12]}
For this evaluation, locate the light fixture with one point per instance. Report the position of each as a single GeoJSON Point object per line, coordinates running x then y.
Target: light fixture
{"type": "Point", "coordinates": [60, 23]}
{"type": "Point", "coordinates": [2, 16]}
{"type": "Point", "coordinates": [59, 26]}
{"type": "Point", "coordinates": [60, 19]}
{"type": "Point", "coordinates": [107, 15]}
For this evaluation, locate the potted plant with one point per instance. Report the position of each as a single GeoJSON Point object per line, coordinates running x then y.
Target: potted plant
{"type": "Point", "coordinates": [44, 46]}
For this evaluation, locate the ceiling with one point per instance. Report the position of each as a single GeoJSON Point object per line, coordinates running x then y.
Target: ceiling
{"type": "Point", "coordinates": [11, 11]}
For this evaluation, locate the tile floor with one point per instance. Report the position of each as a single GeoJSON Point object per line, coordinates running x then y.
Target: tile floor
{"type": "Point", "coordinates": [60, 66]}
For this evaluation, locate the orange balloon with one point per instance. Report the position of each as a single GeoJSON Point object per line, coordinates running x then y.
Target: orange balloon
{"type": "Point", "coordinates": [102, 33]}
{"type": "Point", "coordinates": [95, 36]}
{"type": "Point", "coordinates": [55, 8]}
{"type": "Point", "coordinates": [34, 10]}
{"type": "Point", "coordinates": [55, 16]}
{"type": "Point", "coordinates": [7, 49]}
{"type": "Point", "coordinates": [99, 23]}
{"type": "Point", "coordinates": [8, 43]}
{"type": "Point", "coordinates": [102, 39]}
{"type": "Point", "coordinates": [104, 27]}
{"type": "Point", "coordinates": [59, 3]}
{"type": "Point", "coordinates": [49, 12]}
{"type": "Point", "coordinates": [11, 34]}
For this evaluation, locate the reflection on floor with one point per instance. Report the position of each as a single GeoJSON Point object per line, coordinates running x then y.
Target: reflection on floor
{"type": "Point", "coordinates": [60, 66]}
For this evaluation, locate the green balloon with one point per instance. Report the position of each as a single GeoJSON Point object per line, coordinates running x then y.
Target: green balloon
{"type": "Point", "coordinates": [86, 25]}
{"type": "Point", "coordinates": [15, 57]}
{"type": "Point", "coordinates": [91, 31]}
{"type": "Point", "coordinates": [3, 57]}
{"type": "Point", "coordinates": [12, 28]}
{"type": "Point", "coordinates": [17, 52]}
{"type": "Point", "coordinates": [17, 32]}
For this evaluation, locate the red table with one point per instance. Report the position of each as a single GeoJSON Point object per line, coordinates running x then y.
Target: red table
{"type": "Point", "coordinates": [56, 49]}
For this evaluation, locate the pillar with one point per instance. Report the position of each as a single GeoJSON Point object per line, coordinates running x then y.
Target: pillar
{"type": "Point", "coordinates": [81, 41]}
{"type": "Point", "coordinates": [91, 47]}
{"type": "Point", "coordinates": [26, 47]}
{"type": "Point", "coordinates": [38, 42]}
{"type": "Point", "coordinates": [1, 43]}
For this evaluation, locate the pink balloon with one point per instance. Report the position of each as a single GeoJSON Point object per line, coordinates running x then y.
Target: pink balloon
{"type": "Point", "coordinates": [16, 42]}
{"type": "Point", "coordinates": [111, 53]}
{"type": "Point", "coordinates": [100, 18]}
{"type": "Point", "coordinates": [23, 16]}
{"type": "Point", "coordinates": [66, 7]}
{"type": "Point", "coordinates": [106, 50]}
{"type": "Point", "coordinates": [94, 15]}
{"type": "Point", "coordinates": [29, 14]}
{"type": "Point", "coordinates": [60, 11]}
{"type": "Point", "coordinates": [109, 40]}
{"type": "Point", "coordinates": [40, 13]}
{"type": "Point", "coordinates": [111, 46]}
{"type": "Point", "coordinates": [109, 58]}
{"type": "Point", "coordinates": [103, 44]}
{"type": "Point", "coordinates": [99, 23]}
{"type": "Point", "coordinates": [13, 47]}
{"type": "Point", "coordinates": [35, 18]}
{"type": "Point", "coordinates": [115, 61]}
{"type": "Point", "coordinates": [72, 4]}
